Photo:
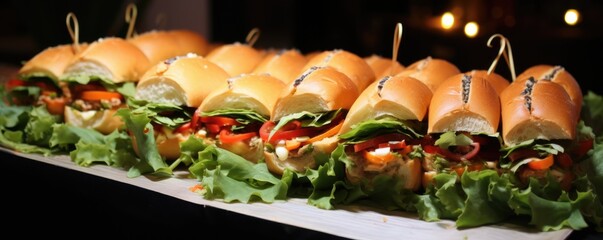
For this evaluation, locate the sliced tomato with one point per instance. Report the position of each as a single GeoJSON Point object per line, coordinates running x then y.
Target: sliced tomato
{"type": "Point", "coordinates": [291, 130]}
{"type": "Point", "coordinates": [394, 145]}
{"type": "Point", "coordinates": [374, 142]}
{"type": "Point", "coordinates": [13, 83]}
{"type": "Point", "coordinates": [44, 85]}
{"type": "Point", "coordinates": [195, 119]}
{"type": "Point", "coordinates": [541, 164]}
{"type": "Point", "coordinates": [582, 148]}
{"type": "Point", "coordinates": [431, 149]}
{"type": "Point", "coordinates": [226, 136]}
{"type": "Point", "coordinates": [398, 145]}
{"type": "Point", "coordinates": [99, 95]}
{"type": "Point", "coordinates": [219, 120]}
{"type": "Point", "coordinates": [564, 160]}
{"type": "Point", "coordinates": [265, 130]}
{"type": "Point", "coordinates": [77, 89]}
{"type": "Point", "coordinates": [290, 134]}
{"type": "Point", "coordinates": [405, 150]}
{"type": "Point", "coordinates": [212, 128]}
{"type": "Point", "coordinates": [183, 128]}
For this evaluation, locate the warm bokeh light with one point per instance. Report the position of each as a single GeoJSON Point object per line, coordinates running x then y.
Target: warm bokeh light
{"type": "Point", "coordinates": [571, 17]}
{"type": "Point", "coordinates": [447, 20]}
{"type": "Point", "coordinates": [471, 29]}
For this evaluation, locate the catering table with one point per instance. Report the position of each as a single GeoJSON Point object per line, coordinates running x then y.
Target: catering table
{"type": "Point", "coordinates": [53, 196]}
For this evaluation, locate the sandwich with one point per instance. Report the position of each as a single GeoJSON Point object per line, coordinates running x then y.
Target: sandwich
{"type": "Point", "coordinates": [350, 64]}
{"type": "Point", "coordinates": [37, 81]}
{"type": "Point", "coordinates": [284, 64]}
{"type": "Point", "coordinates": [306, 119]}
{"type": "Point", "coordinates": [464, 117]}
{"type": "Point", "coordinates": [98, 81]}
{"type": "Point", "coordinates": [232, 114]}
{"type": "Point", "coordinates": [383, 130]}
{"type": "Point", "coordinates": [167, 96]}
{"type": "Point", "coordinates": [431, 71]}
{"type": "Point", "coordinates": [538, 126]}
{"type": "Point", "coordinates": [383, 67]}
{"type": "Point", "coordinates": [236, 58]}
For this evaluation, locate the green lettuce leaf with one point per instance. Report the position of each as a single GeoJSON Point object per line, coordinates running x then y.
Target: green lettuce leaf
{"type": "Point", "coordinates": [307, 119]}
{"type": "Point", "coordinates": [374, 127]}
{"type": "Point", "coordinates": [14, 117]}
{"type": "Point", "coordinates": [155, 111]}
{"type": "Point", "coordinates": [29, 93]}
{"type": "Point", "coordinates": [448, 139]}
{"type": "Point", "coordinates": [225, 175]}
{"type": "Point", "coordinates": [13, 122]}
{"type": "Point", "coordinates": [9, 142]}
{"type": "Point", "coordinates": [481, 207]}
{"type": "Point", "coordinates": [127, 89]}
{"type": "Point", "coordinates": [65, 136]}
{"type": "Point", "coordinates": [443, 199]}
{"type": "Point", "coordinates": [139, 125]}
{"type": "Point", "coordinates": [548, 215]}
{"type": "Point", "coordinates": [39, 127]}
{"type": "Point", "coordinates": [592, 112]}
{"type": "Point", "coordinates": [113, 150]}
{"type": "Point", "coordinates": [329, 187]}
{"type": "Point", "coordinates": [243, 116]}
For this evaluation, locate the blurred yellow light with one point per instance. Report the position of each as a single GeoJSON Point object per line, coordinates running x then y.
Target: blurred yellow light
{"type": "Point", "coordinates": [447, 20]}
{"type": "Point", "coordinates": [571, 17]}
{"type": "Point", "coordinates": [471, 29]}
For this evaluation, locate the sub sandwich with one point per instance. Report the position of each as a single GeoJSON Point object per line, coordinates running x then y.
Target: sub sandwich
{"type": "Point", "coordinates": [383, 130]}
{"type": "Point", "coordinates": [306, 119]}
{"type": "Point", "coordinates": [98, 81]}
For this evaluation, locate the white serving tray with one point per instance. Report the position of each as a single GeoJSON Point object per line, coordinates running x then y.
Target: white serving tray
{"type": "Point", "coordinates": [354, 222]}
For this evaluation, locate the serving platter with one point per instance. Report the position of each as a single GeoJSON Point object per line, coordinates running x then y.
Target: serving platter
{"type": "Point", "coordinates": [354, 222]}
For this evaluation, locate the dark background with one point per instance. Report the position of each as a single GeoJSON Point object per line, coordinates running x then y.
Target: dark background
{"type": "Point", "coordinates": [535, 29]}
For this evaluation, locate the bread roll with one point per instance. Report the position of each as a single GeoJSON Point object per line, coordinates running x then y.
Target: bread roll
{"type": "Point", "coordinates": [236, 58]}
{"type": "Point", "coordinates": [431, 71]}
{"type": "Point", "coordinates": [498, 82]}
{"type": "Point", "coordinates": [247, 91]}
{"type": "Point", "coordinates": [191, 42]}
{"type": "Point", "coordinates": [111, 58]}
{"type": "Point", "coordinates": [51, 62]}
{"type": "Point", "coordinates": [536, 109]}
{"type": "Point", "coordinates": [383, 66]}
{"type": "Point", "coordinates": [157, 46]}
{"type": "Point", "coordinates": [319, 89]}
{"type": "Point", "coordinates": [182, 81]}
{"type": "Point", "coordinates": [401, 97]}
{"type": "Point", "coordinates": [284, 65]}
{"type": "Point", "coordinates": [464, 103]}
{"type": "Point", "coordinates": [353, 66]}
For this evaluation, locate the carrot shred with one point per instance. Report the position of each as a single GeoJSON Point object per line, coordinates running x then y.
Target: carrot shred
{"type": "Point", "coordinates": [196, 187]}
{"type": "Point", "coordinates": [328, 133]}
